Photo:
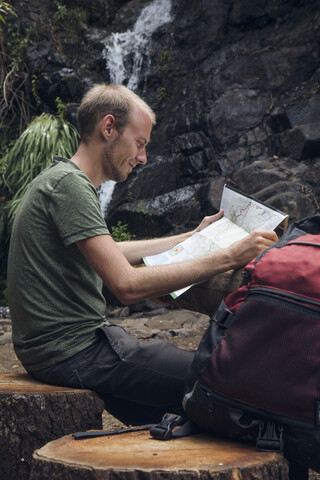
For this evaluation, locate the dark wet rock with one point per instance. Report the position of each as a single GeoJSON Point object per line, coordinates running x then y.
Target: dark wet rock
{"type": "Point", "coordinates": [238, 109]}
{"type": "Point", "coordinates": [161, 214]}
{"type": "Point", "coordinates": [149, 313]}
{"type": "Point", "coordinates": [286, 117]}
{"type": "Point", "coordinates": [144, 306]}
{"type": "Point", "coordinates": [41, 57]}
{"type": "Point", "coordinates": [257, 176]}
{"type": "Point", "coordinates": [282, 184]}
{"type": "Point", "coordinates": [301, 142]}
{"type": "Point", "coordinates": [240, 86]}
{"type": "Point", "coordinates": [210, 194]}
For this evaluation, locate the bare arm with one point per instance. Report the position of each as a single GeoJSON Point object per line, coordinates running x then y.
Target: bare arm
{"type": "Point", "coordinates": [131, 284]}
{"type": "Point", "coordinates": [134, 250]}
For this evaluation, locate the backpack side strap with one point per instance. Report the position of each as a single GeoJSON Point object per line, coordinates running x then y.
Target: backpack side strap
{"type": "Point", "coordinates": [270, 437]}
{"type": "Point", "coordinates": [165, 429]}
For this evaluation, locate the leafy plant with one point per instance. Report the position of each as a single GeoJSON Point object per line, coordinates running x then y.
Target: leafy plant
{"type": "Point", "coordinates": [120, 232]}
{"type": "Point", "coordinates": [34, 90]}
{"type": "Point", "coordinates": [32, 152]}
{"type": "Point", "coordinates": [164, 61]}
{"type": "Point", "coordinates": [69, 21]}
{"type": "Point", "coordinates": [15, 103]}
{"type": "Point", "coordinates": [5, 9]}
{"type": "Point", "coordinates": [163, 93]}
{"type": "Point", "coordinates": [61, 12]}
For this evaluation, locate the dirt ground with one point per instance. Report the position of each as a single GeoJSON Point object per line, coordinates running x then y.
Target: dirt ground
{"type": "Point", "coordinates": [179, 327]}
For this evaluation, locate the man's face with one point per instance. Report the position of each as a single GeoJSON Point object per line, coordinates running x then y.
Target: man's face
{"type": "Point", "coordinates": [128, 149]}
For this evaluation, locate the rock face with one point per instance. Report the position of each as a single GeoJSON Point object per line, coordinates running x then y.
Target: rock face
{"type": "Point", "coordinates": [235, 85]}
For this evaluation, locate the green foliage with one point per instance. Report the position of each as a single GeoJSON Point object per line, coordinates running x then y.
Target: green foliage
{"type": "Point", "coordinates": [17, 43]}
{"type": "Point", "coordinates": [4, 246]}
{"type": "Point", "coordinates": [120, 232]}
{"type": "Point", "coordinates": [5, 9]}
{"type": "Point", "coordinates": [34, 90]}
{"type": "Point", "coordinates": [163, 93]}
{"type": "Point", "coordinates": [15, 102]}
{"type": "Point", "coordinates": [71, 21]}
{"type": "Point", "coordinates": [61, 108]}
{"type": "Point", "coordinates": [61, 12]}
{"type": "Point", "coordinates": [164, 61]}
{"type": "Point", "coordinates": [32, 152]}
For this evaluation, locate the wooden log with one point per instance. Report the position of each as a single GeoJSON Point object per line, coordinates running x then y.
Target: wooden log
{"type": "Point", "coordinates": [33, 413]}
{"type": "Point", "coordinates": [137, 456]}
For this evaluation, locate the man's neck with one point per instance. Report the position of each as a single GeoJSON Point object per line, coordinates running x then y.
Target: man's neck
{"type": "Point", "coordinates": [87, 159]}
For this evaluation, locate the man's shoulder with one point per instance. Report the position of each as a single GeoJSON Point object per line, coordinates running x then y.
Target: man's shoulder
{"type": "Point", "coordinates": [61, 170]}
{"type": "Point", "coordinates": [59, 167]}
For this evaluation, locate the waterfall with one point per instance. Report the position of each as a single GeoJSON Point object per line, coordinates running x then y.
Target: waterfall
{"type": "Point", "coordinates": [127, 54]}
{"type": "Point", "coordinates": [105, 193]}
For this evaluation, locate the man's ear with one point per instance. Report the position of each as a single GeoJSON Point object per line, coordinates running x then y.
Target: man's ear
{"type": "Point", "coordinates": [107, 126]}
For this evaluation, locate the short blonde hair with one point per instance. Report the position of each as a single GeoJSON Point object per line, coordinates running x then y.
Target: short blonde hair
{"type": "Point", "coordinates": [109, 99]}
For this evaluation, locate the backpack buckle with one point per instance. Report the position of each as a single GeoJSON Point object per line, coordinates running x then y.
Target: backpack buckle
{"type": "Point", "coordinates": [270, 438]}
{"type": "Point", "coordinates": [163, 431]}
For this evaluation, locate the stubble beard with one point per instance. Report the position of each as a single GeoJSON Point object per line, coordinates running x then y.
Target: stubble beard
{"type": "Point", "coordinates": [109, 162]}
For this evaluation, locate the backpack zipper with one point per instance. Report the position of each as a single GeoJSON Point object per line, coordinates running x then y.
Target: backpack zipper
{"type": "Point", "coordinates": [309, 244]}
{"type": "Point", "coordinates": [291, 298]}
{"type": "Point", "coordinates": [256, 412]}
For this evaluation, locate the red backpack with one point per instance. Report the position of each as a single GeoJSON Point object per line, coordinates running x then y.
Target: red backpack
{"type": "Point", "coordinates": [256, 373]}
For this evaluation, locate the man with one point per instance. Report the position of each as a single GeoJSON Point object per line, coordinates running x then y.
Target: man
{"type": "Point", "coordinates": [61, 252]}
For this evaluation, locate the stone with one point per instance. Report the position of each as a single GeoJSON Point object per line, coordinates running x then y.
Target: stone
{"type": "Point", "coordinates": [160, 214]}
{"type": "Point", "coordinates": [259, 13]}
{"type": "Point", "coordinates": [285, 118]}
{"type": "Point", "coordinates": [242, 75]}
{"type": "Point", "coordinates": [210, 195]}
{"type": "Point", "coordinates": [256, 176]}
{"type": "Point", "coordinates": [301, 142]}
{"type": "Point", "coordinates": [236, 110]}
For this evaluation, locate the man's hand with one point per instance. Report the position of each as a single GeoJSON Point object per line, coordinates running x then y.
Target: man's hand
{"type": "Point", "coordinates": [243, 251]}
{"type": "Point", "coordinates": [208, 221]}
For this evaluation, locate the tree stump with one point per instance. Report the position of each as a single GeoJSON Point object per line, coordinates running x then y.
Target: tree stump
{"type": "Point", "coordinates": [137, 456]}
{"type": "Point", "coordinates": [33, 413]}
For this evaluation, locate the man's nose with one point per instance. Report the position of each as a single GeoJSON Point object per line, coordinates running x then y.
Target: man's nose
{"type": "Point", "coordinates": [142, 156]}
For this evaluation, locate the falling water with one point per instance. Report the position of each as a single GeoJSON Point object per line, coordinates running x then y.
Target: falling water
{"type": "Point", "coordinates": [105, 194]}
{"type": "Point", "coordinates": [127, 55]}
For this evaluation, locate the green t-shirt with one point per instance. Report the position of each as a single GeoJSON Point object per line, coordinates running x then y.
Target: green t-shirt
{"type": "Point", "coordinates": [55, 296]}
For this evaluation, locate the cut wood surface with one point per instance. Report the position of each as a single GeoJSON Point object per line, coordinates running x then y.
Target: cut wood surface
{"type": "Point", "coordinates": [136, 456]}
{"type": "Point", "coordinates": [33, 413]}
{"type": "Point", "coordinates": [24, 383]}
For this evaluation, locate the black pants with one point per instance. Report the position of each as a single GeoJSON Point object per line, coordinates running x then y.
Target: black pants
{"type": "Point", "coordinates": [138, 381]}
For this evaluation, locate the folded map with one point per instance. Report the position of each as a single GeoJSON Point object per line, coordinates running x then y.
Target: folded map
{"type": "Point", "coordinates": [242, 215]}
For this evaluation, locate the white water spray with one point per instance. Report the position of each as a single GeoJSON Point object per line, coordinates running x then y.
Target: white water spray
{"type": "Point", "coordinates": [126, 55]}
{"type": "Point", "coordinates": [105, 193]}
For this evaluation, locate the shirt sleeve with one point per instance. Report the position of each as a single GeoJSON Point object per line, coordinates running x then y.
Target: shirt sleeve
{"type": "Point", "coordinates": [75, 209]}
